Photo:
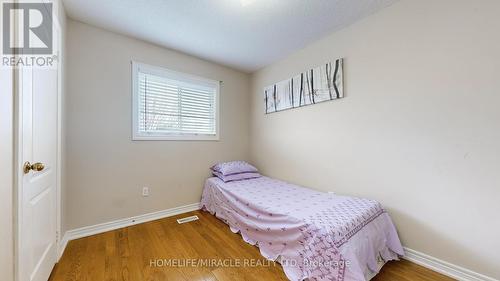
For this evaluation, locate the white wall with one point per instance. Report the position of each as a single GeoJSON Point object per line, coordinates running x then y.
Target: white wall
{"type": "Point", "coordinates": [418, 130]}
{"type": "Point", "coordinates": [105, 169]}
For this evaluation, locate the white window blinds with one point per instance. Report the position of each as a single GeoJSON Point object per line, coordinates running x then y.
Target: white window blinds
{"type": "Point", "coordinates": [171, 105]}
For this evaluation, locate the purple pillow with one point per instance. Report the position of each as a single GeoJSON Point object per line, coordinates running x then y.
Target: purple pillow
{"type": "Point", "coordinates": [237, 176]}
{"type": "Point", "coordinates": [233, 168]}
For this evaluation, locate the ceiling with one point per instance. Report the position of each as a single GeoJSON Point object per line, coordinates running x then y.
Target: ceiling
{"type": "Point", "coordinates": [242, 34]}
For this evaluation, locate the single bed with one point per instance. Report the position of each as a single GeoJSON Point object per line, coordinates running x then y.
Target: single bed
{"type": "Point", "coordinates": [314, 235]}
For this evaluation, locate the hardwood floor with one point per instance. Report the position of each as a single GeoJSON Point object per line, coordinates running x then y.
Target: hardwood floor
{"type": "Point", "coordinates": [140, 252]}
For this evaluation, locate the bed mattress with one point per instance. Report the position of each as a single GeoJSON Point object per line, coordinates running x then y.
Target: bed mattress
{"type": "Point", "coordinates": [314, 235]}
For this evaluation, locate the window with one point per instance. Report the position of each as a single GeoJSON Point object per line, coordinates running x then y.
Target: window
{"type": "Point", "coordinates": [169, 105]}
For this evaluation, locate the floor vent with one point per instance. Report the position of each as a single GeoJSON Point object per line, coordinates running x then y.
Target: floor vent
{"type": "Point", "coordinates": [188, 219]}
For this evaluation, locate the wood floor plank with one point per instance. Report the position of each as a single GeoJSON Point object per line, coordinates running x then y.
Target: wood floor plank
{"type": "Point", "coordinates": [130, 254]}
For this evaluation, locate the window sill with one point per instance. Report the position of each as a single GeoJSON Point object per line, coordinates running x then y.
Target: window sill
{"type": "Point", "coordinates": [176, 138]}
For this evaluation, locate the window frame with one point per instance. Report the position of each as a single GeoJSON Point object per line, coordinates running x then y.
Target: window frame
{"type": "Point", "coordinates": [174, 75]}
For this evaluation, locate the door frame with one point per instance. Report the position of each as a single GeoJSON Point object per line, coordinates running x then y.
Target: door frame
{"type": "Point", "coordinates": [17, 139]}
{"type": "Point", "coordinates": [7, 173]}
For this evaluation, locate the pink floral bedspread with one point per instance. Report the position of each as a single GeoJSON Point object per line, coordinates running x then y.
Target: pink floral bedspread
{"type": "Point", "coordinates": [316, 235]}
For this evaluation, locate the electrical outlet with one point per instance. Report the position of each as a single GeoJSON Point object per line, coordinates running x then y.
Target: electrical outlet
{"type": "Point", "coordinates": [145, 191]}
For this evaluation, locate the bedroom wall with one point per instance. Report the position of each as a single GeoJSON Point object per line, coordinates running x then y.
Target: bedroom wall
{"type": "Point", "coordinates": [106, 170]}
{"type": "Point", "coordinates": [418, 130]}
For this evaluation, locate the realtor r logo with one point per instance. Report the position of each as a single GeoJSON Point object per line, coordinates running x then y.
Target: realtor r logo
{"type": "Point", "coordinates": [34, 34]}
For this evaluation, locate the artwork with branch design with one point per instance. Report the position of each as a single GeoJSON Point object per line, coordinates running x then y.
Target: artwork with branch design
{"type": "Point", "coordinates": [322, 83]}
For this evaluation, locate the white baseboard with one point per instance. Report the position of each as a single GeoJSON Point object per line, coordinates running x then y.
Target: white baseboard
{"type": "Point", "coordinates": [61, 246]}
{"type": "Point", "coordinates": [112, 225]}
{"type": "Point", "coordinates": [446, 268]}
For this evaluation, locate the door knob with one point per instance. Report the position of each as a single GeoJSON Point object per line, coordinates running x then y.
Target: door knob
{"type": "Point", "coordinates": [35, 167]}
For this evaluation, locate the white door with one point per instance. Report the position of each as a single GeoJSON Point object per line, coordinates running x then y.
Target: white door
{"type": "Point", "coordinates": [38, 143]}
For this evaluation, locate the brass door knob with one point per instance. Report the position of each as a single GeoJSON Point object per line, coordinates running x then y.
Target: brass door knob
{"type": "Point", "coordinates": [35, 167]}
